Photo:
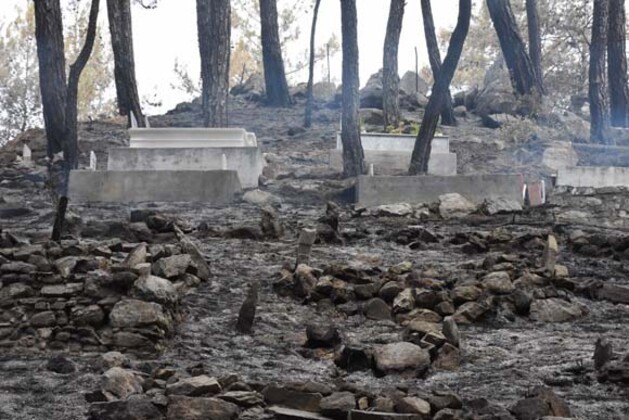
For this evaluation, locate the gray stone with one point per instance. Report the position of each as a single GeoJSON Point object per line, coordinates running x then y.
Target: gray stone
{"type": "Point", "coordinates": [133, 409]}
{"type": "Point", "coordinates": [556, 310]}
{"type": "Point", "coordinates": [260, 197]}
{"type": "Point", "coordinates": [414, 405]}
{"type": "Point", "coordinates": [136, 256]}
{"type": "Point", "coordinates": [131, 313]}
{"type": "Point", "coordinates": [377, 309]}
{"type": "Point", "coordinates": [498, 205]}
{"type": "Point", "coordinates": [113, 359]}
{"type": "Point", "coordinates": [62, 290]}
{"type": "Point", "coordinates": [498, 282]}
{"type": "Point", "coordinates": [90, 315]}
{"type": "Point", "coordinates": [188, 408]}
{"type": "Point", "coordinates": [283, 413]}
{"type": "Point", "coordinates": [18, 267]}
{"type": "Point", "coordinates": [194, 387]}
{"type": "Point", "coordinates": [65, 265]}
{"type": "Point", "coordinates": [401, 358]}
{"type": "Point", "coordinates": [43, 319]}
{"type": "Point", "coordinates": [454, 205]}
{"type": "Point", "coordinates": [173, 266]}
{"type": "Point", "coordinates": [243, 398]}
{"type": "Point", "coordinates": [338, 405]}
{"type": "Point", "coordinates": [375, 415]}
{"type": "Point", "coordinates": [451, 331]}
{"type": "Point", "coordinates": [280, 395]}
{"type": "Point", "coordinates": [155, 289]}
{"type": "Point", "coordinates": [119, 384]}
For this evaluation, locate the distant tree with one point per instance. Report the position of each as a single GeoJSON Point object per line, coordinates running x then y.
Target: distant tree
{"type": "Point", "coordinates": [617, 64]}
{"type": "Point", "coordinates": [523, 75]}
{"type": "Point", "coordinates": [599, 114]}
{"type": "Point", "coordinates": [390, 76]}
{"type": "Point", "coordinates": [353, 155]}
{"type": "Point", "coordinates": [120, 29]}
{"type": "Point", "coordinates": [423, 143]}
{"type": "Point", "coordinates": [214, 32]}
{"type": "Point", "coordinates": [311, 64]}
{"type": "Point", "coordinates": [535, 39]}
{"type": "Point", "coordinates": [434, 56]}
{"type": "Point", "coordinates": [274, 76]}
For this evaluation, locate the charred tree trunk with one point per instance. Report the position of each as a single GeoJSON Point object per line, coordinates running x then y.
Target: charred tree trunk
{"type": "Point", "coordinates": [353, 155]}
{"type": "Point", "coordinates": [70, 146]}
{"type": "Point", "coordinates": [535, 39]}
{"type": "Point", "coordinates": [52, 71]}
{"type": "Point", "coordinates": [119, 15]}
{"type": "Point", "coordinates": [434, 56]}
{"type": "Point", "coordinates": [390, 76]}
{"type": "Point", "coordinates": [599, 115]}
{"type": "Point", "coordinates": [214, 33]}
{"type": "Point", "coordinates": [311, 63]}
{"type": "Point", "coordinates": [523, 75]}
{"type": "Point", "coordinates": [274, 76]}
{"type": "Point", "coordinates": [421, 151]}
{"type": "Point", "coordinates": [617, 65]}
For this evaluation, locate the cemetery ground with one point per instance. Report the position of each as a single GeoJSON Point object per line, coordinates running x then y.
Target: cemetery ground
{"type": "Point", "coordinates": [528, 314]}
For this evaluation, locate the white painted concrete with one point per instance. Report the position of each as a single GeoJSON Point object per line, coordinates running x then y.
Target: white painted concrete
{"type": "Point", "coordinates": [177, 137]}
{"type": "Point", "coordinates": [92, 161]}
{"type": "Point", "coordinates": [593, 176]}
{"type": "Point", "coordinates": [395, 142]}
{"type": "Point", "coordinates": [26, 153]}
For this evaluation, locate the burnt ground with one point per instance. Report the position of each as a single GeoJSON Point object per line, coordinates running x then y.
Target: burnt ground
{"type": "Point", "coordinates": [502, 358]}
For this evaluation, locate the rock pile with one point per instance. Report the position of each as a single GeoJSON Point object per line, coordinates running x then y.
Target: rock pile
{"type": "Point", "coordinates": [93, 296]}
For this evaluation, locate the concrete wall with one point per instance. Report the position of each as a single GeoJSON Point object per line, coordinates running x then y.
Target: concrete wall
{"type": "Point", "coordinates": [593, 176]}
{"type": "Point", "coordinates": [213, 187]}
{"type": "Point", "coordinates": [247, 161]}
{"type": "Point", "coordinates": [379, 190]}
{"type": "Point", "coordinates": [392, 163]}
{"type": "Point", "coordinates": [395, 142]}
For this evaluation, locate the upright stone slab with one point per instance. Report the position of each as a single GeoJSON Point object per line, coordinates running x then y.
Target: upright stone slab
{"type": "Point", "coordinates": [212, 187]}
{"type": "Point", "coordinates": [92, 161]}
{"type": "Point", "coordinates": [380, 190]}
{"type": "Point", "coordinates": [26, 153]}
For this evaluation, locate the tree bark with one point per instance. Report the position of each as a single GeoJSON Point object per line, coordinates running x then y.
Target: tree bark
{"type": "Point", "coordinates": [70, 146]}
{"type": "Point", "coordinates": [119, 15]}
{"type": "Point", "coordinates": [214, 33]}
{"type": "Point", "coordinates": [353, 155]}
{"type": "Point", "coordinates": [523, 75]}
{"type": "Point", "coordinates": [599, 114]}
{"type": "Point", "coordinates": [311, 63]}
{"type": "Point", "coordinates": [434, 56]}
{"type": "Point", "coordinates": [535, 39]}
{"type": "Point", "coordinates": [421, 151]}
{"type": "Point", "coordinates": [390, 76]}
{"type": "Point", "coordinates": [52, 72]}
{"type": "Point", "coordinates": [274, 75]}
{"type": "Point", "coordinates": [617, 65]}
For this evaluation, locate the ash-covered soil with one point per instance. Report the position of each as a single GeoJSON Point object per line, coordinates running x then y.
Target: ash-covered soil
{"type": "Point", "coordinates": [502, 356]}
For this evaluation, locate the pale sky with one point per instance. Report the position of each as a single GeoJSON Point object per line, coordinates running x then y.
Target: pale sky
{"type": "Point", "coordinates": [168, 33]}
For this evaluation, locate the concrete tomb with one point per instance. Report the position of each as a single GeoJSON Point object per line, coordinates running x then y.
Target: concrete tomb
{"type": "Point", "coordinates": [380, 190]}
{"type": "Point", "coordinates": [391, 154]}
{"type": "Point", "coordinates": [178, 137]}
{"type": "Point", "coordinates": [593, 176]}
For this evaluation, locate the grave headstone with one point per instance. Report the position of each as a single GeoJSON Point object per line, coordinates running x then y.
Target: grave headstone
{"type": "Point", "coordinates": [92, 160]}
{"type": "Point", "coordinates": [134, 121]}
{"type": "Point", "coordinates": [26, 153]}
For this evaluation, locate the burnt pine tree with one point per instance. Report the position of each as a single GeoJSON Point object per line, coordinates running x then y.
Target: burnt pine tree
{"type": "Point", "coordinates": [599, 114]}
{"type": "Point", "coordinates": [214, 32]}
{"type": "Point", "coordinates": [311, 63]}
{"type": "Point", "coordinates": [52, 71]}
{"type": "Point", "coordinates": [274, 76]}
{"type": "Point", "coordinates": [421, 151]}
{"type": "Point", "coordinates": [390, 77]}
{"type": "Point", "coordinates": [535, 39]}
{"type": "Point", "coordinates": [434, 56]}
{"type": "Point", "coordinates": [617, 65]}
{"type": "Point", "coordinates": [353, 155]}
{"type": "Point", "coordinates": [128, 99]}
{"type": "Point", "coordinates": [523, 75]}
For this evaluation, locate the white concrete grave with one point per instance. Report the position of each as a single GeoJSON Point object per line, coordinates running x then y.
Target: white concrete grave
{"type": "Point", "coordinates": [26, 153]}
{"type": "Point", "coordinates": [391, 153]}
{"type": "Point", "coordinates": [178, 137]}
{"type": "Point", "coordinates": [92, 161]}
{"type": "Point", "coordinates": [593, 176]}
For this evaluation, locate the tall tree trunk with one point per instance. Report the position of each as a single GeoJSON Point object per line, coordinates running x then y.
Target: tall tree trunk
{"type": "Point", "coordinates": [523, 75]}
{"type": "Point", "coordinates": [599, 114]}
{"type": "Point", "coordinates": [274, 76]}
{"type": "Point", "coordinates": [353, 155]}
{"type": "Point", "coordinates": [434, 56]}
{"type": "Point", "coordinates": [535, 39]}
{"type": "Point", "coordinates": [421, 151]}
{"type": "Point", "coordinates": [311, 63]}
{"type": "Point", "coordinates": [119, 15]}
{"type": "Point", "coordinates": [214, 32]}
{"type": "Point", "coordinates": [52, 71]}
{"type": "Point", "coordinates": [70, 149]}
{"type": "Point", "coordinates": [390, 76]}
{"type": "Point", "coordinates": [617, 65]}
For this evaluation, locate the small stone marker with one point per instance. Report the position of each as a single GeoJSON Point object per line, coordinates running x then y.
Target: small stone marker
{"type": "Point", "coordinates": [92, 161]}
{"type": "Point", "coordinates": [147, 124]}
{"type": "Point", "coordinates": [304, 245]}
{"type": "Point", "coordinates": [134, 121]}
{"type": "Point", "coordinates": [247, 313]}
{"type": "Point", "coordinates": [371, 171]}
{"type": "Point", "coordinates": [551, 253]}
{"type": "Point", "coordinates": [223, 162]}
{"type": "Point", "coordinates": [26, 153]}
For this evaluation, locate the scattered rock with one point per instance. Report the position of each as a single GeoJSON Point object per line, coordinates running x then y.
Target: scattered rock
{"type": "Point", "coordinates": [129, 313]}
{"type": "Point", "coordinates": [498, 282]}
{"type": "Point", "coordinates": [155, 289]}
{"type": "Point", "coordinates": [188, 408]}
{"type": "Point", "coordinates": [196, 386]}
{"type": "Point", "coordinates": [60, 364]}
{"type": "Point", "coordinates": [322, 335]}
{"type": "Point", "coordinates": [401, 357]}
{"type": "Point", "coordinates": [454, 205]}
{"type": "Point", "coordinates": [556, 310]}
{"type": "Point", "coordinates": [119, 384]}
{"type": "Point", "coordinates": [260, 197]}
{"type": "Point", "coordinates": [377, 309]}
{"type": "Point", "coordinates": [132, 409]}
{"type": "Point", "coordinates": [337, 405]}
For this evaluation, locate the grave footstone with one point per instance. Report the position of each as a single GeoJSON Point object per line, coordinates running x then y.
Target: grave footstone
{"type": "Point", "coordinates": [92, 160]}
